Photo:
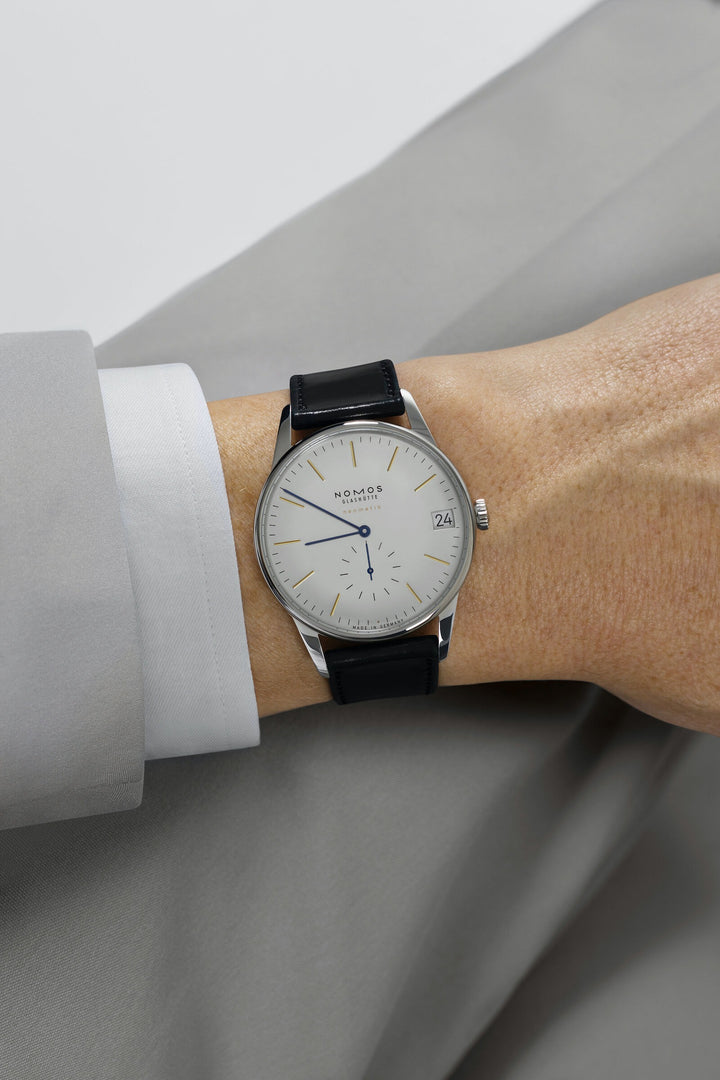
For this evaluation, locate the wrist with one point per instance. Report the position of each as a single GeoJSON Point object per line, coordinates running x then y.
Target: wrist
{"type": "Point", "coordinates": [503, 629]}
{"type": "Point", "coordinates": [518, 615]}
{"type": "Point", "coordinates": [596, 452]}
{"type": "Point", "coordinates": [283, 677]}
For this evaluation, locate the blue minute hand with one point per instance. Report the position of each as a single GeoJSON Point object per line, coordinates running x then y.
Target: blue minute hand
{"type": "Point", "coordinates": [361, 530]}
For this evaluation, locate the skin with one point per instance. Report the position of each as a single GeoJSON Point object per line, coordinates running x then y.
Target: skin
{"type": "Point", "coordinates": [598, 453]}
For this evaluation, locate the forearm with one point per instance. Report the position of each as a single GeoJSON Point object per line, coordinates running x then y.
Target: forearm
{"type": "Point", "coordinates": [598, 453]}
{"type": "Point", "coordinates": [494, 636]}
{"type": "Point", "coordinates": [245, 428]}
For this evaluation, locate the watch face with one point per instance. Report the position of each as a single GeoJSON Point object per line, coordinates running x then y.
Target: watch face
{"type": "Point", "coordinates": [364, 529]}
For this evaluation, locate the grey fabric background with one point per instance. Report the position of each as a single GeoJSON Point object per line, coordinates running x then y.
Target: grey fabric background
{"type": "Point", "coordinates": [440, 888]}
{"type": "Point", "coordinates": [71, 724]}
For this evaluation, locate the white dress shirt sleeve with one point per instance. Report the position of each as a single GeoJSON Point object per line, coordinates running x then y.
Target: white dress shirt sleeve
{"type": "Point", "coordinates": [199, 694]}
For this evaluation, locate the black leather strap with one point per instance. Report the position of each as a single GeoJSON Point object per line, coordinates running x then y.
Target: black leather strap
{"type": "Point", "coordinates": [383, 669]}
{"type": "Point", "coordinates": [355, 393]}
{"type": "Point", "coordinates": [379, 669]}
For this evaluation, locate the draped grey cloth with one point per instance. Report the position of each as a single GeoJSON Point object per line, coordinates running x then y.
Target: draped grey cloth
{"type": "Point", "coordinates": [501, 882]}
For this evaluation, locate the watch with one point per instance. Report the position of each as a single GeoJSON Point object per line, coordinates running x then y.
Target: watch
{"type": "Point", "coordinates": [365, 532]}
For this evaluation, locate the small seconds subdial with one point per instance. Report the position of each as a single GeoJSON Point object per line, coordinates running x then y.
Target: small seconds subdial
{"type": "Point", "coordinates": [364, 529]}
{"type": "Point", "coordinates": [367, 567]}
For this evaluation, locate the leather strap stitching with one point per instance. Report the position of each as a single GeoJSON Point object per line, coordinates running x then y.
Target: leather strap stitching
{"type": "Point", "coordinates": [388, 380]}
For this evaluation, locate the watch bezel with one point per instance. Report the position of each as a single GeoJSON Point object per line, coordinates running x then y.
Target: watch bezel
{"type": "Point", "coordinates": [446, 598]}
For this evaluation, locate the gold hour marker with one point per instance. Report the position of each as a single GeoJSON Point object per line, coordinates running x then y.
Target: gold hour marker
{"type": "Point", "coordinates": [303, 579]}
{"type": "Point", "coordinates": [426, 481]}
{"type": "Point", "coordinates": [352, 451]}
{"type": "Point", "coordinates": [279, 543]}
{"type": "Point", "coordinates": [436, 558]}
{"type": "Point", "coordinates": [293, 502]}
{"type": "Point", "coordinates": [335, 604]}
{"type": "Point", "coordinates": [316, 470]}
{"type": "Point", "coordinates": [392, 459]}
{"type": "Point", "coordinates": [413, 592]}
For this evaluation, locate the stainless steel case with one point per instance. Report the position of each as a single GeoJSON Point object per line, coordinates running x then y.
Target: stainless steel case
{"type": "Point", "coordinates": [445, 611]}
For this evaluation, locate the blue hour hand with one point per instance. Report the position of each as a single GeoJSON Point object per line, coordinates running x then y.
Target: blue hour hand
{"type": "Point", "coordinates": [325, 539]}
{"type": "Point", "coordinates": [358, 530]}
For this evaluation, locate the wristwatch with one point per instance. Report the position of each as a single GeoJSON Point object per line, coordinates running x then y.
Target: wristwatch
{"type": "Point", "coordinates": [365, 531]}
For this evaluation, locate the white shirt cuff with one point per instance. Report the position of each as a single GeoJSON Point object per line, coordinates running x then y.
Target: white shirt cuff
{"type": "Point", "coordinates": [199, 694]}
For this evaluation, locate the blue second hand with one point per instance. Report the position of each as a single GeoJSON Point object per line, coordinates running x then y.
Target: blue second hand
{"type": "Point", "coordinates": [369, 569]}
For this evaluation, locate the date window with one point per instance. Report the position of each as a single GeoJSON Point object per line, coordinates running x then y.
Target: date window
{"type": "Point", "coordinates": [443, 519]}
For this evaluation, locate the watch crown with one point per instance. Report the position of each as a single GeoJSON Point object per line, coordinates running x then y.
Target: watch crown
{"type": "Point", "coordinates": [481, 514]}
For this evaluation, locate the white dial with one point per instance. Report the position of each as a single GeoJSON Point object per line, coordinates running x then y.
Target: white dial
{"type": "Point", "coordinates": [364, 529]}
